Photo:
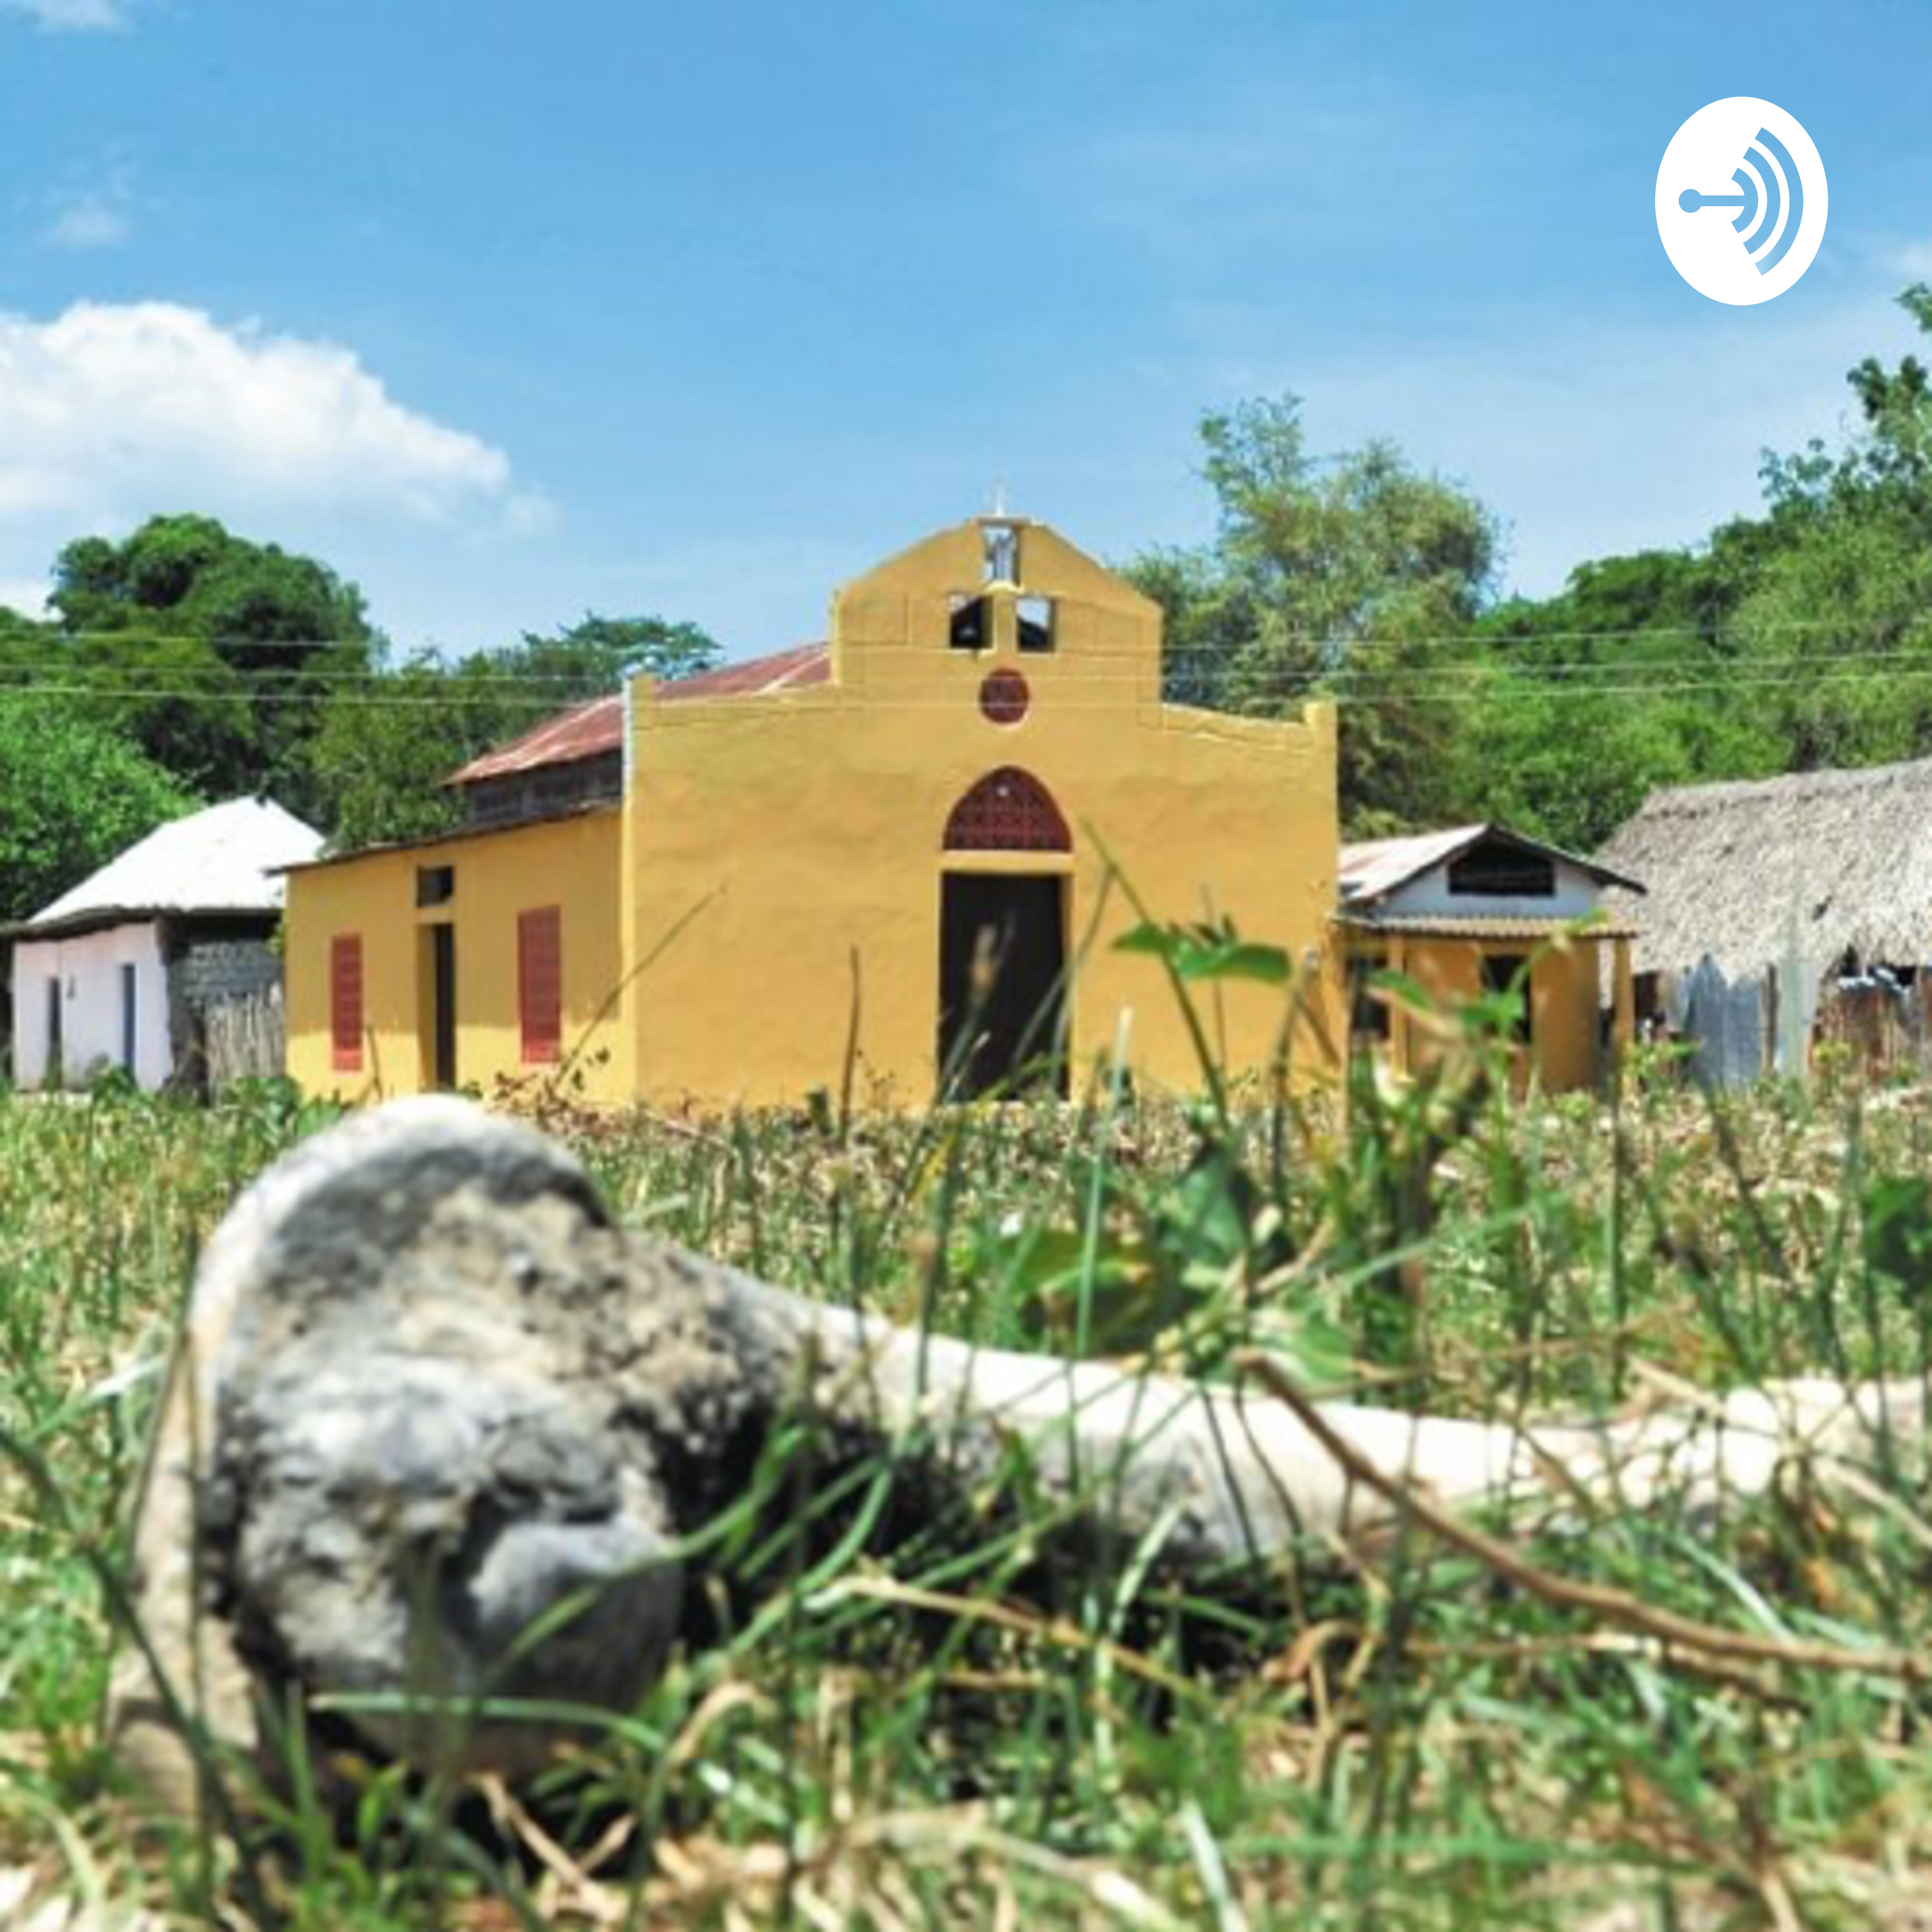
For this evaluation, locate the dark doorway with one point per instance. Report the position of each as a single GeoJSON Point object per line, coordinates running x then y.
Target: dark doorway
{"type": "Point", "coordinates": [130, 1019]}
{"type": "Point", "coordinates": [442, 1005]}
{"type": "Point", "coordinates": [1506, 974]}
{"type": "Point", "coordinates": [1002, 983]}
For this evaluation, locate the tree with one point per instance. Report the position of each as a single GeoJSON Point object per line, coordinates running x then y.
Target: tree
{"type": "Point", "coordinates": [214, 654]}
{"type": "Point", "coordinates": [72, 796]}
{"type": "Point", "coordinates": [1590, 700]}
{"type": "Point", "coordinates": [388, 742]}
{"type": "Point", "coordinates": [597, 655]}
{"type": "Point", "coordinates": [1836, 624]}
{"type": "Point", "coordinates": [386, 745]}
{"type": "Point", "coordinates": [1356, 575]}
{"type": "Point", "coordinates": [1795, 639]}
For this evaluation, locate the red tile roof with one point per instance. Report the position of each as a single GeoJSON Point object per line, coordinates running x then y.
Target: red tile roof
{"type": "Point", "coordinates": [589, 730]}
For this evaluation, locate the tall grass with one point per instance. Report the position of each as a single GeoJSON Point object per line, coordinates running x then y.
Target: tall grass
{"type": "Point", "coordinates": [907, 1714]}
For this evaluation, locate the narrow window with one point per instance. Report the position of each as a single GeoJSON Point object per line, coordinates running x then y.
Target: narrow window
{"type": "Point", "coordinates": [1036, 623]}
{"type": "Point", "coordinates": [540, 984]}
{"type": "Point", "coordinates": [345, 1001]}
{"type": "Point", "coordinates": [970, 631]}
{"type": "Point", "coordinates": [52, 1076]}
{"type": "Point", "coordinates": [436, 885]}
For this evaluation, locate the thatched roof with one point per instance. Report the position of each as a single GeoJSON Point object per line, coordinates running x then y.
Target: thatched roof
{"type": "Point", "coordinates": [1817, 864]}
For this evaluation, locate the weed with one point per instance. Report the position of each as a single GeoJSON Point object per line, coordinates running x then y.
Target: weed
{"type": "Point", "coordinates": [906, 1716]}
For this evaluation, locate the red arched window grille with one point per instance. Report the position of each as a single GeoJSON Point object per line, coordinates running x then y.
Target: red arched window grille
{"type": "Point", "coordinates": [1008, 811]}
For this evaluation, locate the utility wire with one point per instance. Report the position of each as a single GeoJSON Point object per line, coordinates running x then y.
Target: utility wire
{"type": "Point", "coordinates": [1342, 639]}
{"type": "Point", "coordinates": [225, 679]}
{"type": "Point", "coordinates": [1501, 692]}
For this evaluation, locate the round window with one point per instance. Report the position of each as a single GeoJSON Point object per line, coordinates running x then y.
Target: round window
{"type": "Point", "coordinates": [1003, 698]}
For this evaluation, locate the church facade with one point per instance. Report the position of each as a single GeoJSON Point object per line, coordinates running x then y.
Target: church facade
{"type": "Point", "coordinates": [902, 859]}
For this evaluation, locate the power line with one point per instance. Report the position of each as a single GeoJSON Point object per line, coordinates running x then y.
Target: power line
{"type": "Point", "coordinates": [159, 693]}
{"type": "Point", "coordinates": [1501, 693]}
{"type": "Point", "coordinates": [1711, 629]}
{"type": "Point", "coordinates": [227, 680]}
{"type": "Point", "coordinates": [1493, 680]}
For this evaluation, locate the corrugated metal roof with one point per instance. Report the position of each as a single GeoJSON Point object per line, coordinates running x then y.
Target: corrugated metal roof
{"type": "Point", "coordinates": [219, 860]}
{"type": "Point", "coordinates": [586, 731]}
{"type": "Point", "coordinates": [756, 677]}
{"type": "Point", "coordinates": [1376, 867]}
{"type": "Point", "coordinates": [590, 730]}
{"type": "Point", "coordinates": [1422, 926]}
{"type": "Point", "coordinates": [455, 836]}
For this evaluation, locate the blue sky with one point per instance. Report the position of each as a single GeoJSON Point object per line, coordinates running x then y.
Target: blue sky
{"type": "Point", "coordinates": [511, 310]}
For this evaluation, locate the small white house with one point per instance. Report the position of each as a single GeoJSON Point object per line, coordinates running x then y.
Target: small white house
{"type": "Point", "coordinates": [126, 969]}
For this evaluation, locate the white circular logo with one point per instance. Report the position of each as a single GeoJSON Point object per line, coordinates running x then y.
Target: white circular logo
{"type": "Point", "coordinates": [1741, 200]}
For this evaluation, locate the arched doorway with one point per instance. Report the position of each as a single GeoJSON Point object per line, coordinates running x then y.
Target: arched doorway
{"type": "Point", "coordinates": [1003, 942]}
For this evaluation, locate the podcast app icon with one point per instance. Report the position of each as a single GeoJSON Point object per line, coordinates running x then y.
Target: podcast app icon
{"type": "Point", "coordinates": [1741, 200]}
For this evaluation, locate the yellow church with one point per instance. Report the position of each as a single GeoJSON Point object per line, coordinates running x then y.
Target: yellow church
{"type": "Point", "coordinates": [910, 849]}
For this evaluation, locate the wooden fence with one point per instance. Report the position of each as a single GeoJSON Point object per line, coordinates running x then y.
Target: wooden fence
{"type": "Point", "coordinates": [243, 1039]}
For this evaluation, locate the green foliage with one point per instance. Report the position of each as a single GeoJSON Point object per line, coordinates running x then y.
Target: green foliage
{"type": "Point", "coordinates": [387, 743]}
{"type": "Point", "coordinates": [1354, 573]}
{"type": "Point", "coordinates": [241, 667]}
{"type": "Point", "coordinates": [596, 654]}
{"type": "Point", "coordinates": [1208, 951]}
{"type": "Point", "coordinates": [1592, 699]}
{"type": "Point", "coordinates": [72, 796]}
{"type": "Point", "coordinates": [912, 1713]}
{"type": "Point", "coordinates": [1793, 640]}
{"type": "Point", "coordinates": [212, 653]}
{"type": "Point", "coordinates": [240, 597]}
{"type": "Point", "coordinates": [1897, 1225]}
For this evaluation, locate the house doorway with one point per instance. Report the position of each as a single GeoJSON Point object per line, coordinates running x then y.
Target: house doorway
{"type": "Point", "coordinates": [1002, 983]}
{"type": "Point", "coordinates": [438, 1030]}
{"type": "Point", "coordinates": [130, 1018]}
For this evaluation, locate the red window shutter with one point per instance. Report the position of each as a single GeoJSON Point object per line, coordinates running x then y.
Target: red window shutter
{"type": "Point", "coordinates": [540, 984]}
{"type": "Point", "coordinates": [345, 1001]}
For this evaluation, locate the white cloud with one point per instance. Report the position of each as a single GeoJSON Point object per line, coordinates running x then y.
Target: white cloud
{"type": "Point", "coordinates": [1916, 259]}
{"type": "Point", "coordinates": [71, 16]}
{"type": "Point", "coordinates": [91, 220]}
{"type": "Point", "coordinates": [110, 414]}
{"type": "Point", "coordinates": [28, 596]}
{"type": "Point", "coordinates": [111, 411]}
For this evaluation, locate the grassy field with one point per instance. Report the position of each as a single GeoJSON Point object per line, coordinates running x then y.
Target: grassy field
{"type": "Point", "coordinates": [932, 1727]}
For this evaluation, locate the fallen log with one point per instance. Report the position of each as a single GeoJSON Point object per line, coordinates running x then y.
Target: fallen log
{"type": "Point", "coordinates": [437, 1428]}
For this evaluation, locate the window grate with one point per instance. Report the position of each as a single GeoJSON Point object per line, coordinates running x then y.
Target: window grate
{"type": "Point", "coordinates": [1501, 872]}
{"type": "Point", "coordinates": [1008, 811]}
